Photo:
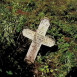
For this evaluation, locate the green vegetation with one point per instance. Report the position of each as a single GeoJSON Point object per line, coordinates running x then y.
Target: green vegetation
{"type": "Point", "coordinates": [9, 72]}
{"type": "Point", "coordinates": [16, 15]}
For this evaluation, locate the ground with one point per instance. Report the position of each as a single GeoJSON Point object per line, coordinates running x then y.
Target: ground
{"type": "Point", "coordinates": [57, 61]}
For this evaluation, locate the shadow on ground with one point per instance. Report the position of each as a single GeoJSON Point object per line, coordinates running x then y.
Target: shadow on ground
{"type": "Point", "coordinates": [72, 73]}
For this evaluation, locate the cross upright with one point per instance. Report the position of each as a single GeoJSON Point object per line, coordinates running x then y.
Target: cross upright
{"type": "Point", "coordinates": [38, 38]}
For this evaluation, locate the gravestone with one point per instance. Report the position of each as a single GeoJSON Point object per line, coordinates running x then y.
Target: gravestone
{"type": "Point", "coordinates": [38, 38]}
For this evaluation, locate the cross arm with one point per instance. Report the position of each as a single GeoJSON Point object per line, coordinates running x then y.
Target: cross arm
{"type": "Point", "coordinates": [48, 41]}
{"type": "Point", "coordinates": [28, 33]}
{"type": "Point", "coordinates": [43, 26]}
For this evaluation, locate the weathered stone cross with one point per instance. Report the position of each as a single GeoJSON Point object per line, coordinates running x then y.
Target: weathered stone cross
{"type": "Point", "coordinates": [38, 38]}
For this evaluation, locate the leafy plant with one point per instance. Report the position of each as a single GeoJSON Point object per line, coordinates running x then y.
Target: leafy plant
{"type": "Point", "coordinates": [9, 72]}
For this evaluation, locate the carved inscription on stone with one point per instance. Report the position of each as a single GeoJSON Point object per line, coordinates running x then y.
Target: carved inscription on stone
{"type": "Point", "coordinates": [38, 38]}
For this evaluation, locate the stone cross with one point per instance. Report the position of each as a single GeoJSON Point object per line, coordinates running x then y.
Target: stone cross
{"type": "Point", "coordinates": [38, 38]}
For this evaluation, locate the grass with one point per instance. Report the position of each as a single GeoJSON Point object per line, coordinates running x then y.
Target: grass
{"type": "Point", "coordinates": [16, 15]}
